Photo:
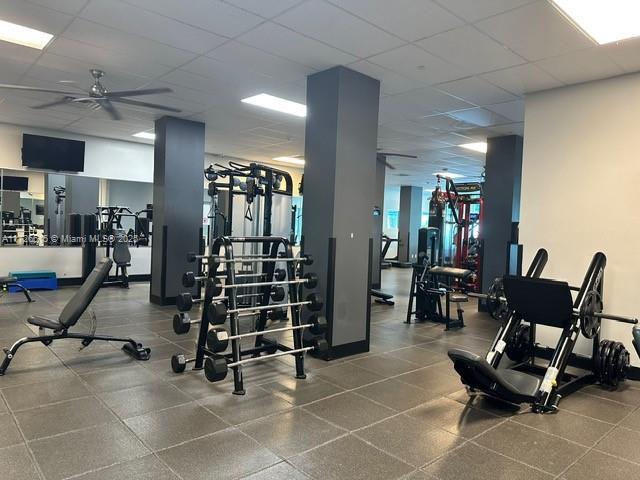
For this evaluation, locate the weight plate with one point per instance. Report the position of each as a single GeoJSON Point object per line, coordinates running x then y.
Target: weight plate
{"type": "Point", "coordinates": [589, 323]}
{"type": "Point", "coordinates": [602, 356]}
{"type": "Point", "coordinates": [612, 364]}
{"type": "Point", "coordinates": [604, 362]}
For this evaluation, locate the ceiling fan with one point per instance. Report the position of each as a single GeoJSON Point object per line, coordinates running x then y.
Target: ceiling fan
{"type": "Point", "coordinates": [97, 96]}
{"type": "Point", "coordinates": [382, 156]}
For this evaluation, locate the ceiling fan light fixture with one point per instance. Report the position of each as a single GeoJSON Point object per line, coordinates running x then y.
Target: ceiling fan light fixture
{"type": "Point", "coordinates": [145, 135]}
{"type": "Point", "coordinates": [25, 36]}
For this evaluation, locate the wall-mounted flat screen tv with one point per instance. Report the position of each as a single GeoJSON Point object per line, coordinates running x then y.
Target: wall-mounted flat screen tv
{"type": "Point", "coordinates": [16, 184]}
{"type": "Point", "coordinates": [49, 153]}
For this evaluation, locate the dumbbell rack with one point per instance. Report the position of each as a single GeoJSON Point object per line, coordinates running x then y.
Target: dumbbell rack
{"type": "Point", "coordinates": [224, 247]}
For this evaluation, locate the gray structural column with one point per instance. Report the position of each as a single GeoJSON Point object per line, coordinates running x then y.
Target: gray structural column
{"type": "Point", "coordinates": [339, 178]}
{"type": "Point", "coordinates": [177, 204]}
{"type": "Point", "coordinates": [378, 210]}
{"type": "Point", "coordinates": [503, 172]}
{"type": "Point", "coordinates": [409, 221]}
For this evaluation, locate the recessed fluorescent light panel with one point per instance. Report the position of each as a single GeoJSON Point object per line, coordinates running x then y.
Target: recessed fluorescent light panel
{"type": "Point", "coordinates": [604, 21]}
{"type": "Point", "coordinates": [476, 147]}
{"type": "Point", "coordinates": [448, 175]}
{"type": "Point", "coordinates": [145, 135]}
{"type": "Point", "coordinates": [25, 36]}
{"type": "Point", "coordinates": [291, 160]}
{"type": "Point", "coordinates": [278, 104]}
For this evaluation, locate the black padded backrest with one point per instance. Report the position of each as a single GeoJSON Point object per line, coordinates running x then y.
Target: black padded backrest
{"type": "Point", "coordinates": [539, 300]}
{"type": "Point", "coordinates": [121, 254]}
{"type": "Point", "coordinates": [83, 297]}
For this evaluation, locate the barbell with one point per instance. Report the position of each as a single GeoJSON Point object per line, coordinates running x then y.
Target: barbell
{"type": "Point", "coordinates": [494, 299]}
{"type": "Point", "coordinates": [590, 314]}
{"type": "Point", "coordinates": [218, 338]}
{"type": "Point", "coordinates": [218, 259]}
{"type": "Point", "coordinates": [309, 280]}
{"type": "Point", "coordinates": [314, 302]}
{"type": "Point", "coordinates": [189, 279]}
{"type": "Point", "coordinates": [216, 369]}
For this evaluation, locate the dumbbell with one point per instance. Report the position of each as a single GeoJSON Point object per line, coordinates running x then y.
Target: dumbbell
{"type": "Point", "coordinates": [179, 362]}
{"type": "Point", "coordinates": [189, 279]}
{"type": "Point", "coordinates": [216, 368]}
{"type": "Point", "coordinates": [313, 302]}
{"type": "Point", "coordinates": [318, 324]}
{"type": "Point", "coordinates": [185, 301]}
{"type": "Point", "coordinates": [218, 338]}
{"type": "Point", "coordinates": [182, 323]}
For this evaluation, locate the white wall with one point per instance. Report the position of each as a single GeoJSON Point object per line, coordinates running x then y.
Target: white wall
{"type": "Point", "coordinates": [580, 182]}
{"type": "Point", "coordinates": [104, 158]}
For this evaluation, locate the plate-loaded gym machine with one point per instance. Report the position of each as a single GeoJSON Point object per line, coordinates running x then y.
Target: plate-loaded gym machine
{"type": "Point", "coordinates": [221, 302]}
{"type": "Point", "coordinates": [550, 303]}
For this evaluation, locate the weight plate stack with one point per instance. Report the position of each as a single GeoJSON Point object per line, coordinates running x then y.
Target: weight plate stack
{"type": "Point", "coordinates": [496, 308]}
{"type": "Point", "coordinates": [612, 364]}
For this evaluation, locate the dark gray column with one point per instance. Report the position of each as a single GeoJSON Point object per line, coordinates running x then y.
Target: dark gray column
{"type": "Point", "coordinates": [378, 210]}
{"type": "Point", "coordinates": [409, 221]}
{"type": "Point", "coordinates": [177, 204]}
{"type": "Point", "coordinates": [503, 171]}
{"type": "Point", "coordinates": [339, 178]}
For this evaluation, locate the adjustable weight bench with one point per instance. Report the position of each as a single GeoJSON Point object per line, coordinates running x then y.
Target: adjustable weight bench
{"type": "Point", "coordinates": [70, 315]}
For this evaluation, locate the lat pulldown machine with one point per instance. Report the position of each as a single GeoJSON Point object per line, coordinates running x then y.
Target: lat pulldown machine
{"type": "Point", "coordinates": [549, 303]}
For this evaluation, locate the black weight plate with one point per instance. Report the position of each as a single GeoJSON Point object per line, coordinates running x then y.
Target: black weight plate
{"type": "Point", "coordinates": [602, 355]}
{"type": "Point", "coordinates": [612, 364]}
{"type": "Point", "coordinates": [606, 361]}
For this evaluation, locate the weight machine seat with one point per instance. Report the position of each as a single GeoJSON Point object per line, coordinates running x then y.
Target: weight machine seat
{"type": "Point", "coordinates": [379, 294]}
{"type": "Point", "coordinates": [76, 306]}
{"type": "Point", "coordinates": [450, 272]}
{"type": "Point", "coordinates": [509, 385]}
{"type": "Point", "coordinates": [540, 300]}
{"type": "Point", "coordinates": [6, 280]}
{"type": "Point", "coordinates": [121, 254]}
{"type": "Point", "coordinates": [636, 339]}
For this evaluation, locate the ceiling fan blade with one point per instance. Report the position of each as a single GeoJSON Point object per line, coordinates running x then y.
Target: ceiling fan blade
{"type": "Point", "coordinates": [135, 93]}
{"type": "Point", "coordinates": [144, 104]}
{"type": "Point", "coordinates": [33, 89]}
{"type": "Point", "coordinates": [403, 155]}
{"type": "Point", "coordinates": [60, 101]}
{"type": "Point", "coordinates": [108, 107]}
{"type": "Point", "coordinates": [389, 166]}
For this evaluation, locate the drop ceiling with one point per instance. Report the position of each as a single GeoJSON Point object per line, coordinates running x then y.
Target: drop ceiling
{"type": "Point", "coordinates": [452, 71]}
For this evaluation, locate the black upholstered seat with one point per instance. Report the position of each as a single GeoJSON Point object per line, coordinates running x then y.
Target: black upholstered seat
{"type": "Point", "coordinates": [5, 280]}
{"type": "Point", "coordinates": [510, 385]}
{"type": "Point", "coordinates": [76, 306]}
{"type": "Point", "coordinates": [450, 272]}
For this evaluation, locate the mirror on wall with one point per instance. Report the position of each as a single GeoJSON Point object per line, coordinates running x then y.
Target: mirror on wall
{"type": "Point", "coordinates": [37, 207]}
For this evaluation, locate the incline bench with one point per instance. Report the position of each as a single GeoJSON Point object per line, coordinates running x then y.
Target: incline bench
{"type": "Point", "coordinates": [70, 315]}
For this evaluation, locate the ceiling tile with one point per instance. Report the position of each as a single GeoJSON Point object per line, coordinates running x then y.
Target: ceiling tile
{"type": "Point", "coordinates": [53, 68]}
{"type": "Point", "coordinates": [11, 71]}
{"type": "Point", "coordinates": [625, 54]}
{"type": "Point", "coordinates": [581, 66]}
{"type": "Point", "coordinates": [214, 16]}
{"type": "Point", "coordinates": [471, 49]}
{"type": "Point", "coordinates": [535, 31]}
{"type": "Point", "coordinates": [34, 16]}
{"type": "Point", "coordinates": [134, 20]}
{"type": "Point", "coordinates": [514, 110]}
{"type": "Point", "coordinates": [522, 79]}
{"type": "Point", "coordinates": [408, 19]}
{"type": "Point", "coordinates": [480, 117]}
{"type": "Point", "coordinates": [95, 57]}
{"type": "Point", "coordinates": [286, 43]}
{"type": "Point", "coordinates": [477, 91]}
{"type": "Point", "coordinates": [66, 6]}
{"type": "Point", "coordinates": [111, 39]}
{"type": "Point", "coordinates": [252, 59]}
{"type": "Point", "coordinates": [391, 83]}
{"type": "Point", "coordinates": [18, 53]}
{"type": "Point", "coordinates": [266, 9]}
{"type": "Point", "coordinates": [474, 10]}
{"type": "Point", "coordinates": [338, 28]}
{"type": "Point", "coordinates": [421, 102]}
{"type": "Point", "coordinates": [418, 64]}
